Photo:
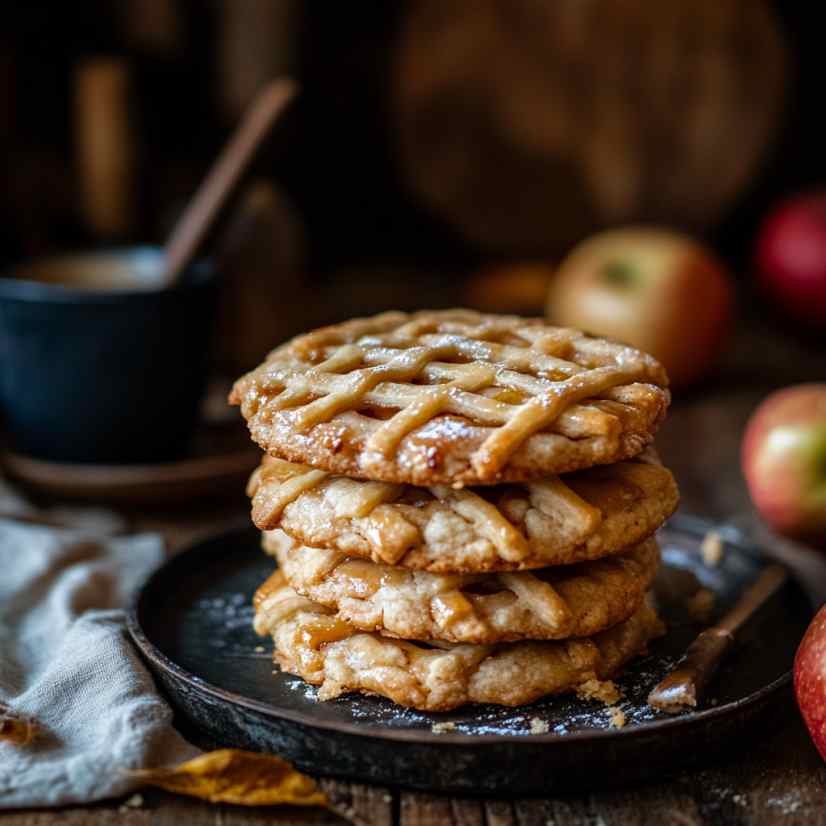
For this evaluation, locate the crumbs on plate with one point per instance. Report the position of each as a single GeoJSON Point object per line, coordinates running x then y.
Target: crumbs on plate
{"type": "Point", "coordinates": [712, 549]}
{"type": "Point", "coordinates": [616, 717]}
{"type": "Point", "coordinates": [700, 606]}
{"type": "Point", "coordinates": [442, 728]}
{"type": "Point", "coordinates": [603, 690]}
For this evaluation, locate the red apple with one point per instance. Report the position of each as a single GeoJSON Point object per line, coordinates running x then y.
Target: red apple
{"type": "Point", "coordinates": [810, 680]}
{"type": "Point", "coordinates": [658, 290]}
{"type": "Point", "coordinates": [791, 257]}
{"type": "Point", "coordinates": [784, 461]}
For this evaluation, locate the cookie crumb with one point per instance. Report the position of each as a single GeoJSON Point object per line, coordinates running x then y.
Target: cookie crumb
{"type": "Point", "coordinates": [712, 549]}
{"type": "Point", "coordinates": [701, 605]}
{"type": "Point", "coordinates": [259, 649]}
{"type": "Point", "coordinates": [441, 728]}
{"type": "Point", "coordinates": [134, 802]}
{"type": "Point", "coordinates": [603, 690]}
{"type": "Point", "coordinates": [616, 717]}
{"type": "Point", "coordinates": [539, 726]}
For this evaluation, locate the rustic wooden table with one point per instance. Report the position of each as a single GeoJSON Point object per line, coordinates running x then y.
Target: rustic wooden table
{"type": "Point", "coordinates": [777, 779]}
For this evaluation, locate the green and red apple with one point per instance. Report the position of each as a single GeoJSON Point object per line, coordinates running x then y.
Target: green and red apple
{"type": "Point", "coordinates": [784, 461]}
{"type": "Point", "coordinates": [658, 290]}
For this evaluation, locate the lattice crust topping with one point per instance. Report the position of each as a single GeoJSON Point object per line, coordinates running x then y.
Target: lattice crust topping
{"type": "Point", "coordinates": [316, 645]}
{"type": "Point", "coordinates": [552, 521]}
{"type": "Point", "coordinates": [554, 603]}
{"type": "Point", "coordinates": [452, 397]}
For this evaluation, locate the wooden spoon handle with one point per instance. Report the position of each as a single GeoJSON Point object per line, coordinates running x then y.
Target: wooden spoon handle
{"type": "Point", "coordinates": [683, 687]}
{"type": "Point", "coordinates": [225, 175]}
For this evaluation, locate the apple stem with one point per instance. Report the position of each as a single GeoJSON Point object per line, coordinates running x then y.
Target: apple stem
{"type": "Point", "coordinates": [620, 273]}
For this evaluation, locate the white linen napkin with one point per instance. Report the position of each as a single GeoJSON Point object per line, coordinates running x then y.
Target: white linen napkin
{"type": "Point", "coordinates": [66, 662]}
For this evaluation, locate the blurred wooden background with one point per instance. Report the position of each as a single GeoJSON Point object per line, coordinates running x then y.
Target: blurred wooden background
{"type": "Point", "coordinates": [431, 137]}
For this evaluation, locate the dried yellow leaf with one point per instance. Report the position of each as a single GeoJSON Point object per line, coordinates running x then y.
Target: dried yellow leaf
{"type": "Point", "coordinates": [241, 777]}
{"type": "Point", "coordinates": [15, 729]}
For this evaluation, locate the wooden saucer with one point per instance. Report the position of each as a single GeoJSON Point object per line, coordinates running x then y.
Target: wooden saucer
{"type": "Point", "coordinates": [219, 465]}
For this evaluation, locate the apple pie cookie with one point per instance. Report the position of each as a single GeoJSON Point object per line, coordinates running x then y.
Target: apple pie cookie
{"type": "Point", "coordinates": [452, 397]}
{"type": "Point", "coordinates": [553, 521]}
{"type": "Point", "coordinates": [315, 644]}
{"type": "Point", "coordinates": [550, 604]}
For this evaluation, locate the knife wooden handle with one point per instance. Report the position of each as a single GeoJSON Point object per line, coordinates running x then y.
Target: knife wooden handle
{"type": "Point", "coordinates": [685, 684]}
{"type": "Point", "coordinates": [683, 687]}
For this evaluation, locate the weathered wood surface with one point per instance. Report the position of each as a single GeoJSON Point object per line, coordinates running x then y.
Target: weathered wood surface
{"type": "Point", "coordinates": [779, 779]}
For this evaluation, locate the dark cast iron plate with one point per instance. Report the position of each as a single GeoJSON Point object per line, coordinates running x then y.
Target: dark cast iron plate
{"type": "Point", "coordinates": [192, 624]}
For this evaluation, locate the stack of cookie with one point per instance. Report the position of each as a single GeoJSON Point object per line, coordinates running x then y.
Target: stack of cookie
{"type": "Point", "coordinates": [462, 506]}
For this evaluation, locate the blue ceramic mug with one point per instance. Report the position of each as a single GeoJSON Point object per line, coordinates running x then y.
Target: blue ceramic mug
{"type": "Point", "coordinates": [97, 364]}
